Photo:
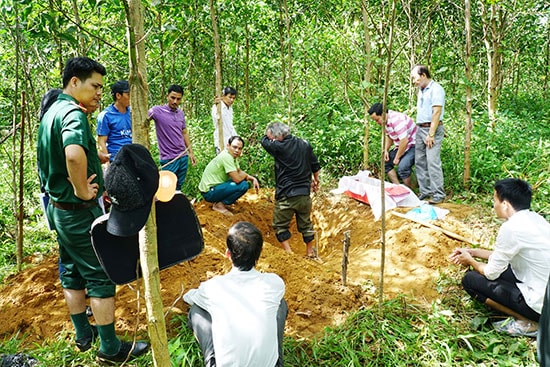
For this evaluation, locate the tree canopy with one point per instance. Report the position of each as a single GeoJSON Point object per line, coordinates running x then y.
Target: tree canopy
{"type": "Point", "coordinates": [312, 64]}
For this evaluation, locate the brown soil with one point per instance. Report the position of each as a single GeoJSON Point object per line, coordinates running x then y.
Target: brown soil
{"type": "Point", "coordinates": [32, 303]}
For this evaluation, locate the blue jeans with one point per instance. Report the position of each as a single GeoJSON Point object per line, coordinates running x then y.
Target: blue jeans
{"type": "Point", "coordinates": [179, 167]}
{"type": "Point", "coordinates": [227, 192]}
{"type": "Point", "coordinates": [404, 168]}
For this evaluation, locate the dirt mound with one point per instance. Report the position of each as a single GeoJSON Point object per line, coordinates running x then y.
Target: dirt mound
{"type": "Point", "coordinates": [31, 302]}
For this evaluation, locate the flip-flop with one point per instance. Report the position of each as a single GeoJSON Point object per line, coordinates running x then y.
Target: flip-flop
{"type": "Point", "coordinates": [513, 328]}
{"type": "Point", "coordinates": [314, 258]}
{"type": "Point", "coordinates": [498, 325]}
{"type": "Point", "coordinates": [224, 211]}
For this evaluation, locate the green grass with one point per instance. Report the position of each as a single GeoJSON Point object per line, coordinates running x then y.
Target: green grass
{"type": "Point", "coordinates": [400, 334]}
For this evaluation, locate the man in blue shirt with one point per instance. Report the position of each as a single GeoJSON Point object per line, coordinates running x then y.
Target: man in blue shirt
{"type": "Point", "coordinates": [114, 124]}
{"type": "Point", "coordinates": [430, 107]}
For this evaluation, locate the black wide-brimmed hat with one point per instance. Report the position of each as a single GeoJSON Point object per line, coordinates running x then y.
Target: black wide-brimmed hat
{"type": "Point", "coordinates": [179, 238]}
{"type": "Point", "coordinates": [131, 182]}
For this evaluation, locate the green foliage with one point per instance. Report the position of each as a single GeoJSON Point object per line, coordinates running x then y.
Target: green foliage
{"type": "Point", "coordinates": [517, 146]}
{"type": "Point", "coordinates": [328, 83]}
{"type": "Point", "coordinates": [453, 332]}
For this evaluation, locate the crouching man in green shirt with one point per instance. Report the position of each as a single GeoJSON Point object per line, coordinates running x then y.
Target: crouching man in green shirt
{"type": "Point", "coordinates": [223, 181]}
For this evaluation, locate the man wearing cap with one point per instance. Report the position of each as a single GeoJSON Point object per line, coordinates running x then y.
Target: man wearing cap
{"type": "Point", "coordinates": [114, 124]}
{"type": "Point", "coordinates": [223, 181]}
{"type": "Point", "coordinates": [71, 173]}
{"type": "Point", "coordinates": [239, 318]}
{"type": "Point", "coordinates": [172, 137]}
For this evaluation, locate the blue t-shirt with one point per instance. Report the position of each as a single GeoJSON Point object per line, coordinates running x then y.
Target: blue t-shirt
{"type": "Point", "coordinates": [116, 126]}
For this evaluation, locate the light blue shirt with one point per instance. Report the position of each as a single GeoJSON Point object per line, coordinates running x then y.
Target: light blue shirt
{"type": "Point", "coordinates": [432, 95]}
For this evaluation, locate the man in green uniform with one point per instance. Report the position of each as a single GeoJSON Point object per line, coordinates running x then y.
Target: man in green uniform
{"type": "Point", "coordinates": [72, 177]}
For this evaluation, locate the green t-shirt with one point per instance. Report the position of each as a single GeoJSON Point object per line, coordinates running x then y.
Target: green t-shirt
{"type": "Point", "coordinates": [65, 124]}
{"type": "Point", "coordinates": [217, 171]}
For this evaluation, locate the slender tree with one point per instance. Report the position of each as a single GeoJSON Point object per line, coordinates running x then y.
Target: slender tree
{"type": "Point", "coordinates": [286, 54]}
{"type": "Point", "coordinates": [140, 134]}
{"type": "Point", "coordinates": [367, 79]}
{"type": "Point", "coordinates": [496, 21]}
{"type": "Point", "coordinates": [218, 69]}
{"type": "Point", "coordinates": [468, 75]}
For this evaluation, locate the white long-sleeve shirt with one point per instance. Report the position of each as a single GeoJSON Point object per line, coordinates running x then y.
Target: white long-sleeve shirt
{"type": "Point", "coordinates": [227, 124]}
{"type": "Point", "coordinates": [243, 306]}
{"type": "Point", "coordinates": [523, 242]}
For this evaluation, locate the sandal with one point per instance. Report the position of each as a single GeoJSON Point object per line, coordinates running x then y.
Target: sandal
{"type": "Point", "coordinates": [515, 327]}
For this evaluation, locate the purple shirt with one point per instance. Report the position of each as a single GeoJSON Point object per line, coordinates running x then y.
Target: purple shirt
{"type": "Point", "coordinates": [401, 126]}
{"type": "Point", "coordinates": [169, 125]}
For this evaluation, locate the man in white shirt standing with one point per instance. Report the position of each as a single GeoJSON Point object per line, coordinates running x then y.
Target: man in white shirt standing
{"type": "Point", "coordinates": [430, 109]}
{"type": "Point", "coordinates": [513, 280]}
{"type": "Point", "coordinates": [238, 318]}
{"type": "Point", "coordinates": [229, 94]}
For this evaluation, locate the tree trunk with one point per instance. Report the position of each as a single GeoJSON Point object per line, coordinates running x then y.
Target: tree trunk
{"type": "Point", "coordinates": [140, 134]}
{"type": "Point", "coordinates": [411, 38]}
{"type": "Point", "coordinates": [20, 198]}
{"type": "Point", "coordinates": [290, 86]}
{"type": "Point", "coordinates": [492, 33]}
{"type": "Point", "coordinates": [218, 67]}
{"type": "Point", "coordinates": [81, 44]}
{"type": "Point", "coordinates": [367, 78]}
{"type": "Point", "coordinates": [17, 183]}
{"type": "Point", "coordinates": [382, 161]}
{"type": "Point", "coordinates": [247, 73]}
{"type": "Point", "coordinates": [161, 58]}
{"type": "Point", "coordinates": [546, 60]}
{"type": "Point", "coordinates": [468, 74]}
{"type": "Point", "coordinates": [286, 54]}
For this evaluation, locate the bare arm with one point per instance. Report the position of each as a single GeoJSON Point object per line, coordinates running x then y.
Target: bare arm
{"type": "Point", "coordinates": [104, 155]}
{"type": "Point", "coordinates": [188, 145]}
{"type": "Point", "coordinates": [315, 183]}
{"type": "Point", "coordinates": [401, 149]}
{"type": "Point", "coordinates": [466, 257]}
{"type": "Point", "coordinates": [77, 167]}
{"type": "Point", "coordinates": [436, 115]}
{"type": "Point", "coordinates": [387, 145]}
{"type": "Point", "coordinates": [240, 175]}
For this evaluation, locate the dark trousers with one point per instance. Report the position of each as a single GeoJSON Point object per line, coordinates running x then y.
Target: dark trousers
{"type": "Point", "coordinates": [200, 321]}
{"type": "Point", "coordinates": [543, 336]}
{"type": "Point", "coordinates": [502, 290]}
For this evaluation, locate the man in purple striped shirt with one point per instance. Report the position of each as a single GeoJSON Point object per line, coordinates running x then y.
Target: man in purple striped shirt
{"type": "Point", "coordinates": [401, 134]}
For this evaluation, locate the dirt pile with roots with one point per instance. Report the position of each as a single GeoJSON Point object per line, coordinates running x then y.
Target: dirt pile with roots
{"type": "Point", "coordinates": [32, 303]}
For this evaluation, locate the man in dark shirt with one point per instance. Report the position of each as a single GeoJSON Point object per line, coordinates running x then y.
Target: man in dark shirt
{"type": "Point", "coordinates": [295, 166]}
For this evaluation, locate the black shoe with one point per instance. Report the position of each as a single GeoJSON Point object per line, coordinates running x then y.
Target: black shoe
{"type": "Point", "coordinates": [83, 344]}
{"type": "Point", "coordinates": [423, 196]}
{"type": "Point", "coordinates": [436, 201]}
{"type": "Point", "coordinates": [125, 352]}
